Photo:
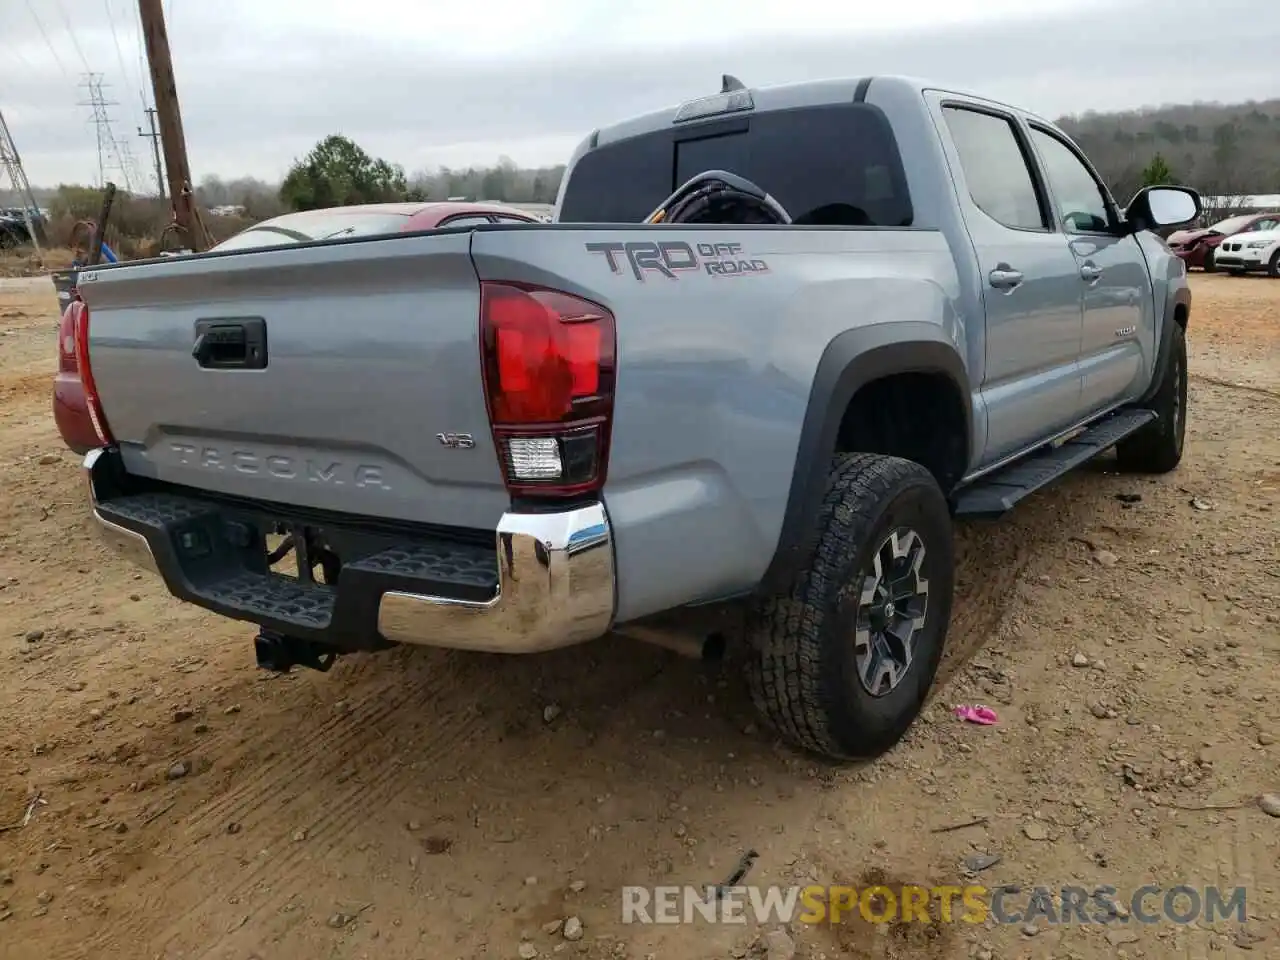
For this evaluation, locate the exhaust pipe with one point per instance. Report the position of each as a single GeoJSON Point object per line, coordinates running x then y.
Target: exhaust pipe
{"type": "Point", "coordinates": [692, 645]}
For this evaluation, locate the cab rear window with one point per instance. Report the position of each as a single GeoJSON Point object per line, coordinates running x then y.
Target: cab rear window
{"type": "Point", "coordinates": [836, 164]}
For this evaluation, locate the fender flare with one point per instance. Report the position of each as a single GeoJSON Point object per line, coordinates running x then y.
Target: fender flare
{"type": "Point", "coordinates": [852, 360]}
{"type": "Point", "coordinates": [1180, 297]}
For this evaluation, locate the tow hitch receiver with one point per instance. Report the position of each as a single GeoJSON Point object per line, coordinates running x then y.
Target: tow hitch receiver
{"type": "Point", "coordinates": [279, 652]}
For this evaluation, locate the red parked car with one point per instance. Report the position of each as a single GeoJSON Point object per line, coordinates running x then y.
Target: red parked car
{"type": "Point", "coordinates": [76, 419]}
{"type": "Point", "coordinates": [1196, 247]}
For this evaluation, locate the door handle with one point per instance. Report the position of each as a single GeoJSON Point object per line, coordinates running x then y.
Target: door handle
{"type": "Point", "coordinates": [232, 344]}
{"type": "Point", "coordinates": [1089, 272]}
{"type": "Point", "coordinates": [1004, 277]}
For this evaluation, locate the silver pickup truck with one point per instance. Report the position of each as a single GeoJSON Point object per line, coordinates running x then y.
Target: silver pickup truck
{"type": "Point", "coordinates": [518, 437]}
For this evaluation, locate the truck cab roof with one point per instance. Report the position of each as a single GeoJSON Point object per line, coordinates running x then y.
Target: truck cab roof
{"type": "Point", "coordinates": [824, 149]}
{"type": "Point", "coordinates": [786, 96]}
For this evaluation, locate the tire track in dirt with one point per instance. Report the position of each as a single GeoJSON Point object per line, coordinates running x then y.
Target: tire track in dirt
{"type": "Point", "coordinates": [348, 729]}
{"type": "Point", "coordinates": [289, 878]}
{"type": "Point", "coordinates": [1231, 385]}
{"type": "Point", "coordinates": [366, 736]}
{"type": "Point", "coordinates": [299, 910]}
{"type": "Point", "coordinates": [371, 737]}
{"type": "Point", "coordinates": [991, 559]}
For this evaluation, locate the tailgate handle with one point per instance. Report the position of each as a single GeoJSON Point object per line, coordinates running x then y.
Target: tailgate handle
{"type": "Point", "coordinates": [239, 344]}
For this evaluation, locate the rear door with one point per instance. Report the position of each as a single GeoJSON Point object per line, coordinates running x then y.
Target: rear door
{"type": "Point", "coordinates": [1118, 334]}
{"type": "Point", "coordinates": [369, 353]}
{"type": "Point", "coordinates": [1031, 281]}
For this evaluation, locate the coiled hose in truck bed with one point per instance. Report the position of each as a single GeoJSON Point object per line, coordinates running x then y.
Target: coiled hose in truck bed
{"type": "Point", "coordinates": [717, 196]}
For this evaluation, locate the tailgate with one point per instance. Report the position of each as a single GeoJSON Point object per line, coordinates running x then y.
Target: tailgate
{"type": "Point", "coordinates": [371, 371]}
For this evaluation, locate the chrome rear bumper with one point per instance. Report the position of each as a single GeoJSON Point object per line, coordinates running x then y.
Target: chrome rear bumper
{"type": "Point", "coordinates": [554, 577]}
{"type": "Point", "coordinates": [555, 588]}
{"type": "Point", "coordinates": [130, 545]}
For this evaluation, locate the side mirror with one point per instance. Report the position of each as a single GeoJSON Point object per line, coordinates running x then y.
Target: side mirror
{"type": "Point", "coordinates": [1154, 207]}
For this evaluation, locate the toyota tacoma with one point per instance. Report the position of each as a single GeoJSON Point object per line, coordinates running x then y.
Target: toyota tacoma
{"type": "Point", "coordinates": [774, 341]}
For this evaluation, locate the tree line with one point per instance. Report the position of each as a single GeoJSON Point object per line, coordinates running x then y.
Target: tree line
{"type": "Point", "coordinates": [1222, 150]}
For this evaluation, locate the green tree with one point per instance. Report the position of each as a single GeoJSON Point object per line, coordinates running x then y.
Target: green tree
{"type": "Point", "coordinates": [338, 173]}
{"type": "Point", "coordinates": [1157, 172]}
{"type": "Point", "coordinates": [73, 200]}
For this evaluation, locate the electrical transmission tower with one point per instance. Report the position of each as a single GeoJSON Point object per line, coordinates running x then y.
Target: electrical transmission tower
{"type": "Point", "coordinates": [12, 164]}
{"type": "Point", "coordinates": [110, 156]}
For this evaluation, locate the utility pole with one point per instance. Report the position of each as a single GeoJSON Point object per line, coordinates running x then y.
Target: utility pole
{"type": "Point", "coordinates": [154, 137]}
{"type": "Point", "coordinates": [12, 165]}
{"type": "Point", "coordinates": [165, 90]}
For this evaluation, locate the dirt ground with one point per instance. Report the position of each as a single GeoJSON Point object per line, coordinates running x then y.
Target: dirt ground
{"type": "Point", "coordinates": [422, 804]}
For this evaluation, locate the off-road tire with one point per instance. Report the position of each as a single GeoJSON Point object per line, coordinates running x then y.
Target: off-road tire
{"type": "Point", "coordinates": [801, 662]}
{"type": "Point", "coordinates": [1157, 447]}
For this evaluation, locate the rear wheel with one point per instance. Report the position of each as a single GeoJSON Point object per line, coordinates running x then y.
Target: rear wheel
{"type": "Point", "coordinates": [842, 662]}
{"type": "Point", "coordinates": [1209, 265]}
{"type": "Point", "coordinates": [1157, 447]}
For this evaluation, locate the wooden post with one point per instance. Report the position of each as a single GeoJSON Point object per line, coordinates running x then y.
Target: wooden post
{"type": "Point", "coordinates": [100, 228]}
{"type": "Point", "coordinates": [165, 90]}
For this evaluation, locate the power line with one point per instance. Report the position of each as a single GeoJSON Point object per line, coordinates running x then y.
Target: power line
{"type": "Point", "coordinates": [48, 43]}
{"type": "Point", "coordinates": [71, 32]}
{"type": "Point", "coordinates": [144, 75]}
{"type": "Point", "coordinates": [115, 39]}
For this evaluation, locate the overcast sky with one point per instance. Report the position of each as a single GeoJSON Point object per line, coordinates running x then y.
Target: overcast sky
{"type": "Point", "coordinates": [431, 82]}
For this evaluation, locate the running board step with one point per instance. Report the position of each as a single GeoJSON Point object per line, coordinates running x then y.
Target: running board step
{"type": "Point", "coordinates": [997, 493]}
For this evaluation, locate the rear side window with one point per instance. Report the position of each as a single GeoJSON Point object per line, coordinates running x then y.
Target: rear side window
{"type": "Point", "coordinates": [995, 168]}
{"type": "Point", "coordinates": [836, 164]}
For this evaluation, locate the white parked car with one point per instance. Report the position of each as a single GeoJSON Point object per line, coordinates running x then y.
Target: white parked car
{"type": "Point", "coordinates": [1249, 252]}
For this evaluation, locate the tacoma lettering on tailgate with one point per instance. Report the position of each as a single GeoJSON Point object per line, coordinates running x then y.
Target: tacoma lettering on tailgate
{"type": "Point", "coordinates": [281, 467]}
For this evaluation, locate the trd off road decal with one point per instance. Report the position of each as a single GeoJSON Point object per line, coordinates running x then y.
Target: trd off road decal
{"type": "Point", "coordinates": [672, 257]}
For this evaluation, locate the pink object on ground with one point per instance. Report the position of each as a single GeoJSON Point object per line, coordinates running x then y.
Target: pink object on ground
{"type": "Point", "coordinates": [976, 714]}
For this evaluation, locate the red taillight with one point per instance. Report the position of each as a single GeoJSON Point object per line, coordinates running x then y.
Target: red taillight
{"type": "Point", "coordinates": [548, 360]}
{"type": "Point", "coordinates": [78, 311]}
